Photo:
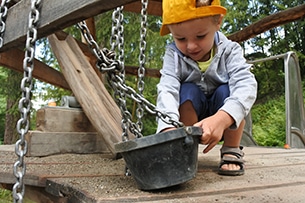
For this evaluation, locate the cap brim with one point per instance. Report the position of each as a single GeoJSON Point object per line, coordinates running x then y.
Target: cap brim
{"type": "Point", "coordinates": [164, 30]}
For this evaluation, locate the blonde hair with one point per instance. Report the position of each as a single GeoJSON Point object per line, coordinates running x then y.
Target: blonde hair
{"type": "Point", "coordinates": [200, 3]}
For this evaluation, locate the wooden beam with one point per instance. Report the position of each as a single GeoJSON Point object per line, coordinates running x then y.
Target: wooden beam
{"type": "Point", "coordinates": [269, 22]}
{"type": "Point", "coordinates": [55, 15]}
{"type": "Point", "coordinates": [154, 7]}
{"type": "Point", "coordinates": [87, 87]}
{"type": "Point", "coordinates": [59, 14]}
{"type": "Point", "coordinates": [13, 59]}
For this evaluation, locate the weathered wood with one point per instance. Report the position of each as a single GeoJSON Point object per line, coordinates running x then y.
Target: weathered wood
{"type": "Point", "coordinates": [55, 15]}
{"type": "Point", "coordinates": [38, 194]}
{"type": "Point", "coordinates": [50, 143]}
{"type": "Point", "coordinates": [272, 175]}
{"type": "Point", "coordinates": [154, 7]}
{"type": "Point", "coordinates": [88, 89]}
{"type": "Point", "coordinates": [59, 14]}
{"type": "Point", "coordinates": [268, 23]}
{"type": "Point", "coordinates": [59, 119]}
{"type": "Point", "coordinates": [13, 59]}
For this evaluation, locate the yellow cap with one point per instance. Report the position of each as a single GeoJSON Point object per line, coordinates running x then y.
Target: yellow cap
{"type": "Point", "coordinates": [176, 11]}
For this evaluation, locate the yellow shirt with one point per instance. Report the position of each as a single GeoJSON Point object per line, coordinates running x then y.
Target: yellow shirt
{"type": "Point", "coordinates": [205, 64]}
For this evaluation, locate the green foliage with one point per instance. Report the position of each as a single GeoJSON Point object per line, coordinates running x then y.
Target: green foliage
{"type": "Point", "coordinates": [3, 75]}
{"type": "Point", "coordinates": [270, 76]}
{"type": "Point", "coordinates": [5, 196]}
{"type": "Point", "coordinates": [269, 122]}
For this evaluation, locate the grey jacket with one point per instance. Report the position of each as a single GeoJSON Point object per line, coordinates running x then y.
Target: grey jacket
{"type": "Point", "coordinates": [228, 66]}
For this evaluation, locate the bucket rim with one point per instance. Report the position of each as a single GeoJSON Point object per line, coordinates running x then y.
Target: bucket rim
{"type": "Point", "coordinates": [156, 139]}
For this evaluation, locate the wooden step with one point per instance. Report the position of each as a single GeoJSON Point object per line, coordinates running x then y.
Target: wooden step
{"type": "Point", "coordinates": [50, 143]}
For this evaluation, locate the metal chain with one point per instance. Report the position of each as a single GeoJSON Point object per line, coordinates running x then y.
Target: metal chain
{"type": "Point", "coordinates": [115, 69]}
{"type": "Point", "coordinates": [117, 34]}
{"type": "Point", "coordinates": [23, 123]}
{"type": "Point", "coordinates": [142, 60]}
{"type": "Point", "coordinates": [142, 57]}
{"type": "Point", "coordinates": [149, 107]}
{"type": "Point", "coordinates": [105, 56]}
{"type": "Point", "coordinates": [117, 42]}
{"type": "Point", "coordinates": [3, 14]}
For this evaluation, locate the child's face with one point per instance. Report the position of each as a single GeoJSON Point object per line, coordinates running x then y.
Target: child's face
{"type": "Point", "coordinates": [195, 38]}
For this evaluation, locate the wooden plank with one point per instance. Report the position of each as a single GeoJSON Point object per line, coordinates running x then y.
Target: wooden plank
{"type": "Point", "coordinates": [272, 175]}
{"type": "Point", "coordinates": [88, 89]}
{"type": "Point", "coordinates": [55, 15]}
{"type": "Point", "coordinates": [50, 143]}
{"type": "Point", "coordinates": [154, 7]}
{"type": "Point", "coordinates": [13, 59]}
{"type": "Point", "coordinates": [59, 119]}
{"type": "Point", "coordinates": [29, 179]}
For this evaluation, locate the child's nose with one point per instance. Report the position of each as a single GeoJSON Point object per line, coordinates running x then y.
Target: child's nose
{"type": "Point", "coordinates": [191, 45]}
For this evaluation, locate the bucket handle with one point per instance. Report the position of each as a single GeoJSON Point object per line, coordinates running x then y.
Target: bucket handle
{"type": "Point", "coordinates": [189, 140]}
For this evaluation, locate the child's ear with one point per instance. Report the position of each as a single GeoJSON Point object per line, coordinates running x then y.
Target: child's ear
{"type": "Point", "coordinates": [221, 16]}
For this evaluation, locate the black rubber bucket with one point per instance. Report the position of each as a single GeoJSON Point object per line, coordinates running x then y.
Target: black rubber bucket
{"type": "Point", "coordinates": [162, 160]}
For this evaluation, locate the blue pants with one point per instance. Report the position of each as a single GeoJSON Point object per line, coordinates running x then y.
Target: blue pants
{"type": "Point", "coordinates": [204, 105]}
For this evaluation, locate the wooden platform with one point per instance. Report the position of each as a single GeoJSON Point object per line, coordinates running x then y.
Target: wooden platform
{"type": "Point", "coordinates": [272, 175]}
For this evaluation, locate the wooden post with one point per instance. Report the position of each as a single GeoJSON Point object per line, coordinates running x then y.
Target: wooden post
{"type": "Point", "coordinates": [90, 92]}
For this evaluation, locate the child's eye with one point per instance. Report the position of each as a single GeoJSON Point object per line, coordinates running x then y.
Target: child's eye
{"type": "Point", "coordinates": [180, 39]}
{"type": "Point", "coordinates": [201, 36]}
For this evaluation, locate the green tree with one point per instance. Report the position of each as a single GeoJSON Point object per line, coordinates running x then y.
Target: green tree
{"type": "Point", "coordinates": [12, 96]}
{"type": "Point", "coordinates": [3, 76]}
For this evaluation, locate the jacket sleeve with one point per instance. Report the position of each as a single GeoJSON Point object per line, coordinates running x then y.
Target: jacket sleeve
{"type": "Point", "coordinates": [242, 84]}
{"type": "Point", "coordinates": [168, 89]}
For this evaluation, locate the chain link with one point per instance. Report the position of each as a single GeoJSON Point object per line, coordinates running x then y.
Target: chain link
{"type": "Point", "coordinates": [24, 106]}
{"type": "Point", "coordinates": [3, 15]}
{"type": "Point", "coordinates": [105, 56]}
{"type": "Point", "coordinates": [142, 57]}
{"type": "Point", "coordinates": [142, 60]}
{"type": "Point", "coordinates": [149, 107]}
{"type": "Point", "coordinates": [117, 43]}
{"type": "Point", "coordinates": [107, 62]}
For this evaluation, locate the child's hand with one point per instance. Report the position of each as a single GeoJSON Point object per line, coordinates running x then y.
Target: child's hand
{"type": "Point", "coordinates": [213, 128]}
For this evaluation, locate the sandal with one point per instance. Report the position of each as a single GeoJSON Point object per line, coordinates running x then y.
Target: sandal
{"type": "Point", "coordinates": [238, 160]}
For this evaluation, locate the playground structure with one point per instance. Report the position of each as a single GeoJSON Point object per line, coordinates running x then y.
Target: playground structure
{"type": "Point", "coordinates": [294, 100]}
{"type": "Point", "coordinates": [51, 23]}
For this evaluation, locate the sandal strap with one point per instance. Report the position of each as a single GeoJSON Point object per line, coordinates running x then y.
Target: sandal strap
{"type": "Point", "coordinates": [236, 151]}
{"type": "Point", "coordinates": [232, 160]}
